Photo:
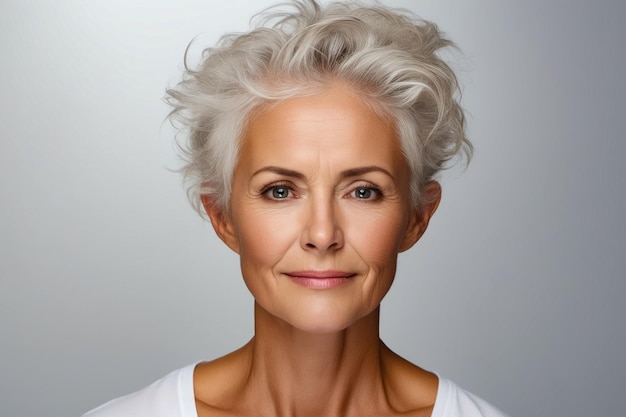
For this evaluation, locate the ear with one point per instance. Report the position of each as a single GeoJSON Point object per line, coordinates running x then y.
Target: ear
{"type": "Point", "coordinates": [221, 223]}
{"type": "Point", "coordinates": [418, 221]}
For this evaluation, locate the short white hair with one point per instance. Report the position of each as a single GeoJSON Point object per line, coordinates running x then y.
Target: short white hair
{"type": "Point", "coordinates": [388, 56]}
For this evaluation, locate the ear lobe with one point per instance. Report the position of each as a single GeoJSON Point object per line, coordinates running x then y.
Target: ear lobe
{"type": "Point", "coordinates": [221, 223]}
{"type": "Point", "coordinates": [421, 216]}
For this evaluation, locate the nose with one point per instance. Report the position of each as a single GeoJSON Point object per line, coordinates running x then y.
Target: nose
{"type": "Point", "coordinates": [322, 231]}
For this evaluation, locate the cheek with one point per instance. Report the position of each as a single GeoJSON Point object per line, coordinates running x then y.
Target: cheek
{"type": "Point", "coordinates": [377, 239]}
{"type": "Point", "coordinates": [263, 238]}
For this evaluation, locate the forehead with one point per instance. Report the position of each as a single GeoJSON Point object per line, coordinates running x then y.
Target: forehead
{"type": "Point", "coordinates": [335, 128]}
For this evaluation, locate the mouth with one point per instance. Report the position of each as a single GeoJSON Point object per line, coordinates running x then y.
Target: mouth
{"type": "Point", "coordinates": [320, 279]}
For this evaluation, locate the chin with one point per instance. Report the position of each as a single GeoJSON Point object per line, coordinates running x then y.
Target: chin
{"type": "Point", "coordinates": [322, 318]}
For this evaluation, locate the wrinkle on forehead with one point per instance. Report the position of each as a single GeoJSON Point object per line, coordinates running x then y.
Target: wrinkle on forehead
{"type": "Point", "coordinates": [332, 131]}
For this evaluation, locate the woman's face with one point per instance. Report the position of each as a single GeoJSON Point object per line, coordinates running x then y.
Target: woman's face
{"type": "Point", "coordinates": [320, 209]}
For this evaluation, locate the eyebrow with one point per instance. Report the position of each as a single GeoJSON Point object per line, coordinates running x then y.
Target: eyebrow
{"type": "Point", "coordinates": [355, 172]}
{"type": "Point", "coordinates": [280, 171]}
{"type": "Point", "coordinates": [352, 172]}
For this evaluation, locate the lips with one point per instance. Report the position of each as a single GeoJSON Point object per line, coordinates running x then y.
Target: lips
{"type": "Point", "coordinates": [321, 274]}
{"type": "Point", "coordinates": [320, 279]}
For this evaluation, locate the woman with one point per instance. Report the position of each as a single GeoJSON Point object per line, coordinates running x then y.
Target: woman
{"type": "Point", "coordinates": [313, 143]}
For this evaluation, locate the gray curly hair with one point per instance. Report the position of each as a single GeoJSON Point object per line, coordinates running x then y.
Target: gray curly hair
{"type": "Point", "coordinates": [388, 56]}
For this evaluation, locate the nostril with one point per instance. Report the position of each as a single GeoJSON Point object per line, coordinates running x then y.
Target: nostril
{"type": "Point", "coordinates": [333, 245]}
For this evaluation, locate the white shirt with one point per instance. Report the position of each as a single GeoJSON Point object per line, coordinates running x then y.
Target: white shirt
{"type": "Point", "coordinates": [173, 396]}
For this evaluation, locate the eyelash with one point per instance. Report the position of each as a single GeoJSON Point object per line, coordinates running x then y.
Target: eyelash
{"type": "Point", "coordinates": [377, 193]}
{"type": "Point", "coordinates": [265, 192]}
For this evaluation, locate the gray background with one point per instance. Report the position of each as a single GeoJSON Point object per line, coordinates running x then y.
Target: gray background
{"type": "Point", "coordinates": [108, 280]}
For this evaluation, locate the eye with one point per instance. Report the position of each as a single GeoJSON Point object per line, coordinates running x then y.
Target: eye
{"type": "Point", "coordinates": [363, 193]}
{"type": "Point", "coordinates": [277, 192]}
{"type": "Point", "coordinates": [366, 193]}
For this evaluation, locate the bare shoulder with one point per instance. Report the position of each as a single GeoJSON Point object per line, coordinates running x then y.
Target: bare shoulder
{"type": "Point", "coordinates": [218, 382]}
{"type": "Point", "coordinates": [410, 389]}
{"type": "Point", "coordinates": [417, 392]}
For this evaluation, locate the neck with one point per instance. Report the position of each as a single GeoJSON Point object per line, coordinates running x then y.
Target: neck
{"type": "Point", "coordinates": [316, 374]}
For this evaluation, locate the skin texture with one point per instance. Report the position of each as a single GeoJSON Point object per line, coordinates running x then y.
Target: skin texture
{"type": "Point", "coordinates": [319, 211]}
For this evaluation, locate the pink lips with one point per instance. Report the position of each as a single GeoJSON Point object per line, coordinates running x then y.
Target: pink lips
{"type": "Point", "coordinates": [320, 279]}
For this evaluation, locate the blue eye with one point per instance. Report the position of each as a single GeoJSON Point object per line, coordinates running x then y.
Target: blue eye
{"type": "Point", "coordinates": [366, 193]}
{"type": "Point", "coordinates": [363, 193]}
{"type": "Point", "coordinates": [279, 193]}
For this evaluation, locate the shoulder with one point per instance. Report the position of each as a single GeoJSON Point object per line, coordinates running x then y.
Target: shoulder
{"type": "Point", "coordinates": [453, 401]}
{"type": "Point", "coordinates": [170, 396]}
{"type": "Point", "coordinates": [220, 382]}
